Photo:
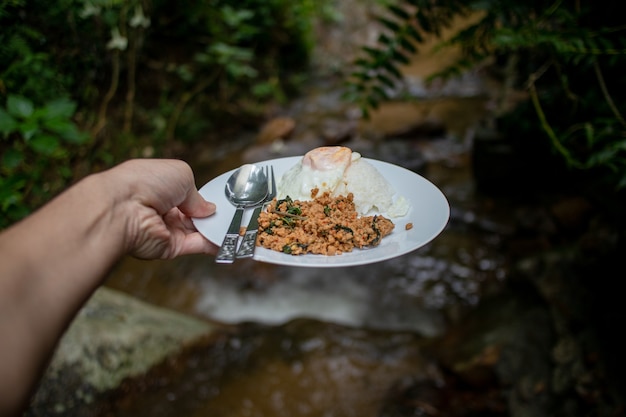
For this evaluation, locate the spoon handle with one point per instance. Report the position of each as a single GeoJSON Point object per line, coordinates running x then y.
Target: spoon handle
{"type": "Point", "coordinates": [226, 254]}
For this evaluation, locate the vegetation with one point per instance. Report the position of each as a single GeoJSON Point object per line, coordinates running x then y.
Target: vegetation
{"type": "Point", "coordinates": [568, 56]}
{"type": "Point", "coordinates": [86, 83]}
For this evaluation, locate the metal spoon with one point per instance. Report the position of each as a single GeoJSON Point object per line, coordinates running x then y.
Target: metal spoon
{"type": "Point", "coordinates": [247, 187]}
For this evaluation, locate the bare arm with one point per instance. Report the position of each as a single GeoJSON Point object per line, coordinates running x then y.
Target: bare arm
{"type": "Point", "coordinates": [53, 261]}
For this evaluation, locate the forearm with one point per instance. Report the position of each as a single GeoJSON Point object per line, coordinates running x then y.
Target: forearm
{"type": "Point", "coordinates": [49, 265]}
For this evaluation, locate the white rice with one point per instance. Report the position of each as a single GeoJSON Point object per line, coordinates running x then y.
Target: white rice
{"type": "Point", "coordinates": [372, 192]}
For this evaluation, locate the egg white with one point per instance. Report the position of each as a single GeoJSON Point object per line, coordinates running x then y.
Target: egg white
{"type": "Point", "coordinates": [298, 181]}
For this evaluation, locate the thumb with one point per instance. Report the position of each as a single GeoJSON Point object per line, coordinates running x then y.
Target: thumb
{"type": "Point", "coordinates": [194, 205]}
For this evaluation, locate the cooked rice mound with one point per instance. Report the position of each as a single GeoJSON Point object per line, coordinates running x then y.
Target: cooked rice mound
{"type": "Point", "coordinates": [327, 225]}
{"type": "Point", "coordinates": [339, 171]}
{"type": "Point", "coordinates": [372, 192]}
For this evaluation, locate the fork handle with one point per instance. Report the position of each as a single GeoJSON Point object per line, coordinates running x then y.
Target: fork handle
{"type": "Point", "coordinates": [226, 254]}
{"type": "Point", "coordinates": [248, 243]}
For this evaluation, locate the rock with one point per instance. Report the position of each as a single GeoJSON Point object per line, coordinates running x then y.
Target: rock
{"type": "Point", "coordinates": [303, 367]}
{"type": "Point", "coordinates": [337, 132]}
{"type": "Point", "coordinates": [572, 213]}
{"type": "Point", "coordinates": [279, 128]}
{"type": "Point", "coordinates": [113, 337]}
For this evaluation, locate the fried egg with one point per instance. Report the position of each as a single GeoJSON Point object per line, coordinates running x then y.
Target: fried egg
{"type": "Point", "coordinates": [323, 168]}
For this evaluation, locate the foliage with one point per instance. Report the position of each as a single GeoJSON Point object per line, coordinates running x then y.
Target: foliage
{"type": "Point", "coordinates": [238, 55]}
{"type": "Point", "coordinates": [35, 159]}
{"type": "Point", "coordinates": [568, 56]}
{"type": "Point", "coordinates": [137, 75]}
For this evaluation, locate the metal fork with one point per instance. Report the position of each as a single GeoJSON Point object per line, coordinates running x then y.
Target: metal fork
{"type": "Point", "coordinates": [248, 243]}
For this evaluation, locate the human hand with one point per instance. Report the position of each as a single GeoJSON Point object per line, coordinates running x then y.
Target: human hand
{"type": "Point", "coordinates": [158, 198]}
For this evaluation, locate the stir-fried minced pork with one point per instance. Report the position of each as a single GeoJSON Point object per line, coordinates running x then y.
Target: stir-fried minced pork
{"type": "Point", "coordinates": [326, 225]}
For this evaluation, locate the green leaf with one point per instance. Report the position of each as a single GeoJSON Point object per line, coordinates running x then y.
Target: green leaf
{"type": "Point", "coordinates": [389, 24]}
{"type": "Point", "coordinates": [263, 89]}
{"type": "Point", "coordinates": [373, 102]}
{"type": "Point", "coordinates": [203, 58]}
{"type": "Point", "coordinates": [45, 144]}
{"type": "Point", "coordinates": [10, 194]}
{"type": "Point", "coordinates": [376, 54]}
{"type": "Point", "coordinates": [400, 57]}
{"type": "Point", "coordinates": [67, 130]}
{"type": "Point", "coordinates": [75, 136]}
{"type": "Point", "coordinates": [65, 171]}
{"type": "Point", "coordinates": [7, 123]}
{"type": "Point", "coordinates": [385, 40]}
{"type": "Point", "coordinates": [20, 107]}
{"type": "Point", "coordinates": [238, 70]}
{"type": "Point", "coordinates": [399, 12]}
{"type": "Point", "coordinates": [60, 126]}
{"type": "Point", "coordinates": [28, 129]}
{"type": "Point", "coordinates": [59, 108]}
{"type": "Point", "coordinates": [391, 68]}
{"type": "Point", "coordinates": [386, 80]}
{"type": "Point", "coordinates": [407, 45]}
{"type": "Point", "coordinates": [414, 33]}
{"type": "Point", "coordinates": [424, 23]}
{"type": "Point", "coordinates": [12, 159]}
{"type": "Point", "coordinates": [361, 75]}
{"type": "Point", "coordinates": [379, 93]}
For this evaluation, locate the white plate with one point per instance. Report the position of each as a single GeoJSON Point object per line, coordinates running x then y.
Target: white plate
{"type": "Point", "coordinates": [429, 214]}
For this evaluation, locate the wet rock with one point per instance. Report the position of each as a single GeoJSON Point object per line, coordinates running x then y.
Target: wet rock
{"type": "Point", "coordinates": [484, 345]}
{"type": "Point", "coordinates": [585, 374]}
{"type": "Point", "coordinates": [279, 128]}
{"type": "Point", "coordinates": [337, 132]}
{"type": "Point", "coordinates": [496, 168]}
{"type": "Point", "coordinates": [507, 163]}
{"type": "Point", "coordinates": [497, 360]}
{"type": "Point", "coordinates": [425, 129]}
{"type": "Point", "coordinates": [302, 368]}
{"type": "Point", "coordinates": [442, 397]}
{"type": "Point", "coordinates": [401, 152]}
{"type": "Point", "coordinates": [114, 337]}
{"type": "Point", "coordinates": [599, 240]}
{"type": "Point", "coordinates": [572, 213]}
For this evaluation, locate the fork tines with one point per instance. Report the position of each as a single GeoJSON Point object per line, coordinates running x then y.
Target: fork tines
{"type": "Point", "coordinates": [271, 185]}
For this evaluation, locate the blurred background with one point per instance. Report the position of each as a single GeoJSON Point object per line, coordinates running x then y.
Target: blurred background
{"type": "Point", "coordinates": [514, 109]}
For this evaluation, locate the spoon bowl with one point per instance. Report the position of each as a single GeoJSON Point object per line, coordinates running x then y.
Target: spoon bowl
{"type": "Point", "coordinates": [246, 187]}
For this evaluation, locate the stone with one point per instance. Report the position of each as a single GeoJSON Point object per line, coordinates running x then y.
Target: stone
{"type": "Point", "coordinates": [279, 128]}
{"type": "Point", "coordinates": [113, 337]}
